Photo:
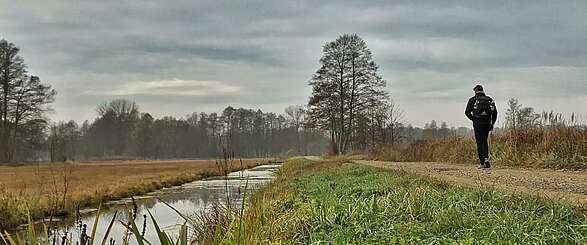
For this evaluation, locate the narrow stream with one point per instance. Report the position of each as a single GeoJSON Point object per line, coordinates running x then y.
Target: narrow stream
{"type": "Point", "coordinates": [189, 199]}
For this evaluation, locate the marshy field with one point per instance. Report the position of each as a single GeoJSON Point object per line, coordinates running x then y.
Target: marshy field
{"type": "Point", "coordinates": [46, 190]}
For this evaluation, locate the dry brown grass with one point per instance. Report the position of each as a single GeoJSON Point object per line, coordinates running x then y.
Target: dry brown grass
{"type": "Point", "coordinates": [544, 147]}
{"type": "Point", "coordinates": [58, 188]}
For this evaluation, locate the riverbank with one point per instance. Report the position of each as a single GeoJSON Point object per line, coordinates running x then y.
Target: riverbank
{"type": "Point", "coordinates": [59, 189]}
{"type": "Point", "coordinates": [337, 201]}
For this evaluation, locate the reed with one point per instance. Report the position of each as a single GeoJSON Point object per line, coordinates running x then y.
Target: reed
{"type": "Point", "coordinates": [555, 146]}
{"type": "Point", "coordinates": [134, 232]}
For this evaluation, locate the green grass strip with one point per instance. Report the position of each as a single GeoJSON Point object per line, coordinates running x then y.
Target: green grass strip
{"type": "Point", "coordinates": [342, 203]}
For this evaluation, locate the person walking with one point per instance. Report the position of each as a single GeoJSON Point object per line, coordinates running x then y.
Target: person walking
{"type": "Point", "coordinates": [482, 112]}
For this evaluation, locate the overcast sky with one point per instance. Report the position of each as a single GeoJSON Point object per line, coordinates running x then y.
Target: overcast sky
{"type": "Point", "coordinates": [177, 57]}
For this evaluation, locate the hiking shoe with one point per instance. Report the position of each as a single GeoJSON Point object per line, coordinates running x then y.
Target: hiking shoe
{"type": "Point", "coordinates": [487, 164]}
{"type": "Point", "coordinates": [482, 166]}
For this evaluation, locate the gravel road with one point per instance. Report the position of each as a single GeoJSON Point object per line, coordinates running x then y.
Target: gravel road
{"type": "Point", "coordinates": [555, 184]}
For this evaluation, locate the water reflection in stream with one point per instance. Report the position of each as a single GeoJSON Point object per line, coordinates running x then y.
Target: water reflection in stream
{"type": "Point", "coordinates": [188, 199]}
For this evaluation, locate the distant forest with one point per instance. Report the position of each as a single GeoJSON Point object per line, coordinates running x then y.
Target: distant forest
{"type": "Point", "coordinates": [122, 131]}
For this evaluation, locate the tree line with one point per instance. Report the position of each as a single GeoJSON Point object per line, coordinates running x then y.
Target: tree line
{"type": "Point", "coordinates": [122, 131]}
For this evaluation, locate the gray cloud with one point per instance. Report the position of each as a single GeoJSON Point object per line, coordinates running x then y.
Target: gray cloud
{"type": "Point", "coordinates": [431, 52]}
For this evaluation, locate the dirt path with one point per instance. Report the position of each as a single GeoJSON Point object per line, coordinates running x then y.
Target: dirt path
{"type": "Point", "coordinates": [554, 184]}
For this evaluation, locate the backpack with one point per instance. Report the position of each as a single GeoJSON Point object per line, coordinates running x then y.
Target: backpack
{"type": "Point", "coordinates": [483, 107]}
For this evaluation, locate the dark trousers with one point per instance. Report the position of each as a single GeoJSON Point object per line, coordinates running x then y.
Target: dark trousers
{"type": "Point", "coordinates": [481, 135]}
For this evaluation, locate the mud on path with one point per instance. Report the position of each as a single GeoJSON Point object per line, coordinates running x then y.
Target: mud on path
{"type": "Point", "coordinates": [553, 184]}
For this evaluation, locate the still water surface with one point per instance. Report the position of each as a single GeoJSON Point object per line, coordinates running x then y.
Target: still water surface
{"type": "Point", "coordinates": [189, 199]}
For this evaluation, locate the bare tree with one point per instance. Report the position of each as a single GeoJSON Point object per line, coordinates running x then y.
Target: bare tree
{"type": "Point", "coordinates": [143, 136]}
{"type": "Point", "coordinates": [343, 87]}
{"type": "Point", "coordinates": [64, 139]}
{"type": "Point", "coordinates": [528, 118]}
{"type": "Point", "coordinates": [120, 108]}
{"type": "Point", "coordinates": [512, 113]}
{"type": "Point", "coordinates": [443, 131]}
{"type": "Point", "coordinates": [113, 130]}
{"type": "Point", "coordinates": [296, 114]}
{"type": "Point", "coordinates": [519, 117]}
{"type": "Point", "coordinates": [395, 117]}
{"type": "Point", "coordinates": [23, 98]}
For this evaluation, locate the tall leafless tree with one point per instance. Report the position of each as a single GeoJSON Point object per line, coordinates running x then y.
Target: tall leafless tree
{"type": "Point", "coordinates": [394, 117]}
{"type": "Point", "coordinates": [296, 114]}
{"type": "Point", "coordinates": [519, 117]}
{"type": "Point", "coordinates": [343, 87]}
{"type": "Point", "coordinates": [23, 99]}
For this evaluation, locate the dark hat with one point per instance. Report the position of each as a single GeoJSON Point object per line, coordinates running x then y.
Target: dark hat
{"type": "Point", "coordinates": [478, 88]}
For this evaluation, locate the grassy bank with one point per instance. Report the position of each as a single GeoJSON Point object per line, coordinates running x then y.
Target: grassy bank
{"type": "Point", "coordinates": [339, 202]}
{"type": "Point", "coordinates": [57, 189]}
{"type": "Point", "coordinates": [558, 148]}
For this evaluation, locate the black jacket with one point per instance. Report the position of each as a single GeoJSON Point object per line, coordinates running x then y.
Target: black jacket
{"type": "Point", "coordinates": [469, 112]}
